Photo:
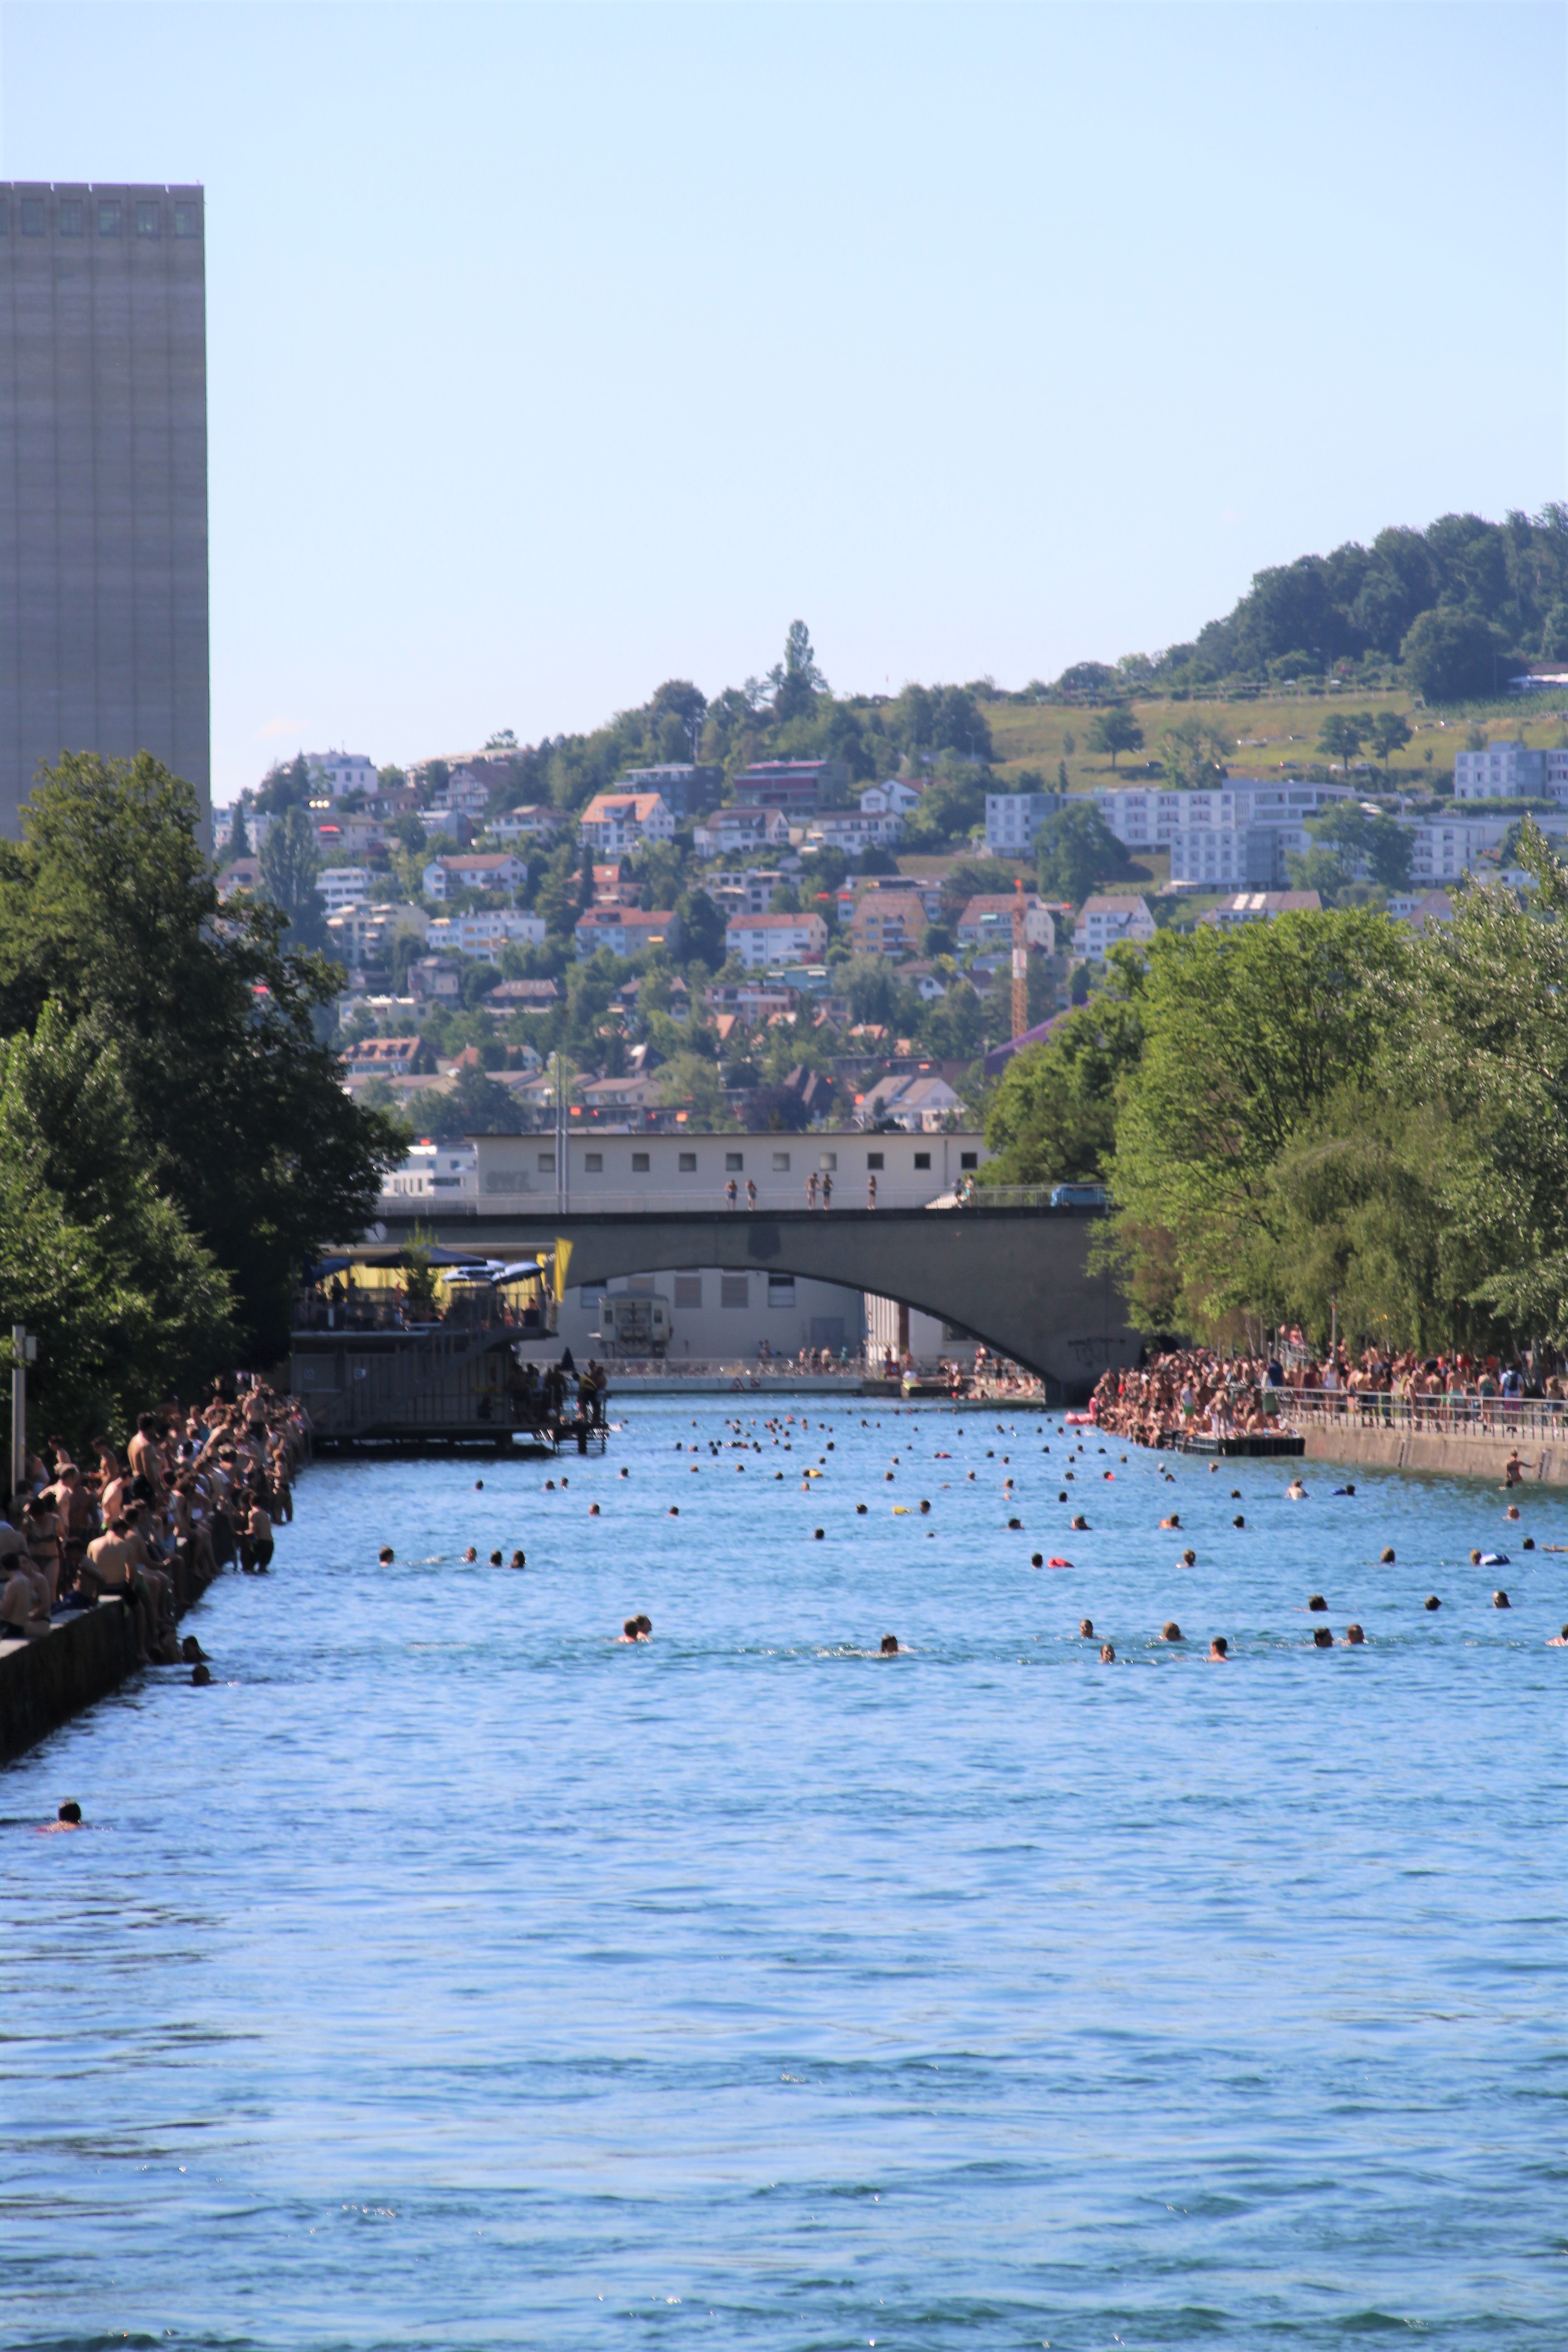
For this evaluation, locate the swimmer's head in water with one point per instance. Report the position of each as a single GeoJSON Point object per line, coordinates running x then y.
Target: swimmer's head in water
{"type": "Point", "coordinates": [1528, 1544]}
{"type": "Point", "coordinates": [645, 1624]}
{"type": "Point", "coordinates": [201, 1674]}
{"type": "Point", "coordinates": [890, 1645]}
{"type": "Point", "coordinates": [1219, 1647]}
{"type": "Point", "coordinates": [1238, 1521]}
{"type": "Point", "coordinates": [387, 1555]}
{"type": "Point", "coordinates": [1385, 1556]}
{"type": "Point", "coordinates": [192, 1651]}
{"type": "Point", "coordinates": [1323, 1638]}
{"type": "Point", "coordinates": [593, 1510]}
{"type": "Point", "coordinates": [1317, 1602]}
{"type": "Point", "coordinates": [1086, 1629]}
{"type": "Point", "coordinates": [630, 1629]}
{"type": "Point", "coordinates": [1107, 1654]}
{"type": "Point", "coordinates": [1170, 1631]}
{"type": "Point", "coordinates": [1513, 1510]}
{"type": "Point", "coordinates": [925, 1507]}
{"type": "Point", "coordinates": [817, 1535]}
{"type": "Point", "coordinates": [1014, 1523]}
{"type": "Point", "coordinates": [70, 1811]}
{"type": "Point", "coordinates": [1189, 1560]}
{"type": "Point", "coordinates": [1355, 1635]}
{"type": "Point", "coordinates": [479, 1486]}
{"type": "Point", "coordinates": [495, 1559]}
{"type": "Point", "coordinates": [1037, 1560]}
{"type": "Point", "coordinates": [470, 1553]}
{"type": "Point", "coordinates": [675, 1510]}
{"type": "Point", "coordinates": [1501, 1601]}
{"type": "Point", "coordinates": [520, 1560]}
{"type": "Point", "coordinates": [1432, 1602]}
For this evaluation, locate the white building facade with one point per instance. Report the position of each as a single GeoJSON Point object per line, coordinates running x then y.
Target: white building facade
{"type": "Point", "coordinates": [763, 941]}
{"type": "Point", "coordinates": [338, 772]}
{"type": "Point", "coordinates": [1013, 819]}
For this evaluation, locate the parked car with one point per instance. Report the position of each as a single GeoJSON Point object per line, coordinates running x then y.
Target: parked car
{"type": "Point", "coordinates": [1079, 1196]}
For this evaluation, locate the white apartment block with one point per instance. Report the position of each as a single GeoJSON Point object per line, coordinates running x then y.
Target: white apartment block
{"type": "Point", "coordinates": [1442, 848]}
{"type": "Point", "coordinates": [763, 941]}
{"type": "Point", "coordinates": [1013, 819]}
{"type": "Point", "coordinates": [342, 771]}
{"type": "Point", "coordinates": [1510, 772]}
{"type": "Point", "coordinates": [343, 886]}
{"type": "Point", "coordinates": [893, 798]}
{"type": "Point", "coordinates": [615, 821]}
{"type": "Point", "coordinates": [484, 935]}
{"type": "Point", "coordinates": [853, 831]}
{"type": "Point", "coordinates": [1151, 819]}
{"type": "Point", "coordinates": [729, 832]}
{"type": "Point", "coordinates": [1103, 920]}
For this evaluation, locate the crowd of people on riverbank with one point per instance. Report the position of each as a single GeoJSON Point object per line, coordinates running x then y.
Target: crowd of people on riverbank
{"type": "Point", "coordinates": [193, 1490]}
{"type": "Point", "coordinates": [1204, 1391]}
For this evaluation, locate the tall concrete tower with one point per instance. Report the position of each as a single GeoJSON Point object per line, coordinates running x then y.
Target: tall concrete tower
{"type": "Point", "coordinates": [103, 481]}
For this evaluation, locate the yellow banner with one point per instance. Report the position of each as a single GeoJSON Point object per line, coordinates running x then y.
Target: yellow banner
{"type": "Point", "coordinates": [562, 1266]}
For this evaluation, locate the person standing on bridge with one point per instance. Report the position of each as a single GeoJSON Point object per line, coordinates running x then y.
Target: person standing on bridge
{"type": "Point", "coordinates": [730, 1192]}
{"type": "Point", "coordinates": [828, 1192]}
{"type": "Point", "coordinates": [811, 1190]}
{"type": "Point", "coordinates": [750, 1191]}
{"type": "Point", "coordinates": [871, 1191]}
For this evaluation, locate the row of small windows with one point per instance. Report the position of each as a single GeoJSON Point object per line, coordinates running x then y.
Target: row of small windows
{"type": "Point", "coordinates": [734, 1290]}
{"type": "Point", "coordinates": [147, 216]}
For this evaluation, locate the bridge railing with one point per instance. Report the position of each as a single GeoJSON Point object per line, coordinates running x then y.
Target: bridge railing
{"type": "Point", "coordinates": [587, 1199]}
{"type": "Point", "coordinates": [1465, 1415]}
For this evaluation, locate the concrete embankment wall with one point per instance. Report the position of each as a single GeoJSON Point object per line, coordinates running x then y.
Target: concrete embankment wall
{"type": "Point", "coordinates": [1453, 1457]}
{"type": "Point", "coordinates": [44, 1680]}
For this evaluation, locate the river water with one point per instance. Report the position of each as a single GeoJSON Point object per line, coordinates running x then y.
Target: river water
{"type": "Point", "coordinates": [446, 1974]}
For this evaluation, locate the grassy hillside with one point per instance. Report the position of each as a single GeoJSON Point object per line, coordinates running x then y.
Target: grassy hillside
{"type": "Point", "coordinates": [1272, 734]}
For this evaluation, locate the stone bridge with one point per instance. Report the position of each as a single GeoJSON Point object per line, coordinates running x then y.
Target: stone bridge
{"type": "Point", "coordinates": [1019, 1279]}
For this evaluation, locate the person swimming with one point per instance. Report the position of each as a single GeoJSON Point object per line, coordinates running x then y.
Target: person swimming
{"type": "Point", "coordinates": [632, 1631]}
{"type": "Point", "coordinates": [1086, 1629]}
{"type": "Point", "coordinates": [1316, 1601]}
{"type": "Point", "coordinates": [1174, 1521]}
{"type": "Point", "coordinates": [470, 1555]}
{"type": "Point", "coordinates": [889, 1648]}
{"type": "Point", "coordinates": [69, 1814]}
{"type": "Point", "coordinates": [1171, 1631]}
{"type": "Point", "coordinates": [1501, 1601]}
{"type": "Point", "coordinates": [1322, 1639]}
{"type": "Point", "coordinates": [1354, 1636]}
{"type": "Point", "coordinates": [518, 1559]}
{"type": "Point", "coordinates": [387, 1555]}
{"type": "Point", "coordinates": [1107, 1654]}
{"type": "Point", "coordinates": [1295, 1492]}
{"type": "Point", "coordinates": [1219, 1648]}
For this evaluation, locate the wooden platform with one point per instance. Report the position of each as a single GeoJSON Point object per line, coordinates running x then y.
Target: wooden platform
{"type": "Point", "coordinates": [1257, 1447]}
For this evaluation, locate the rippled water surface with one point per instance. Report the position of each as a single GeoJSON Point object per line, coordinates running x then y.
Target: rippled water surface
{"type": "Point", "coordinates": [446, 1974]}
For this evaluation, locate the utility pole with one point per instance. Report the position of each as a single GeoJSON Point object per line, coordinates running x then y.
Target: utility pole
{"type": "Point", "coordinates": [24, 1351]}
{"type": "Point", "coordinates": [1020, 962]}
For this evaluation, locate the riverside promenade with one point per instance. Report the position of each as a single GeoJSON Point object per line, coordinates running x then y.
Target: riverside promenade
{"type": "Point", "coordinates": [1458, 1436]}
{"type": "Point", "coordinates": [45, 1678]}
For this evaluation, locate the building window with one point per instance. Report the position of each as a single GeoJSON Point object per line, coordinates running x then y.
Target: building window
{"type": "Point", "coordinates": [688, 1290]}
{"type": "Point", "coordinates": [781, 1290]}
{"type": "Point", "coordinates": [187, 221]}
{"type": "Point", "coordinates": [594, 1162]}
{"type": "Point", "coordinates": [781, 1163]}
{"type": "Point", "coordinates": [70, 216]}
{"type": "Point", "coordinates": [5, 215]}
{"type": "Point", "coordinates": [547, 1163]}
{"type": "Point", "coordinates": [873, 1159]}
{"type": "Point", "coordinates": [688, 1163]}
{"type": "Point", "coordinates": [969, 1159]}
{"type": "Point", "coordinates": [829, 1159]}
{"type": "Point", "coordinates": [733, 1162]}
{"type": "Point", "coordinates": [32, 216]}
{"type": "Point", "coordinates": [733, 1290]}
{"type": "Point", "coordinates": [639, 1163]}
{"type": "Point", "coordinates": [108, 217]}
{"type": "Point", "coordinates": [148, 218]}
{"type": "Point", "coordinates": [923, 1160]}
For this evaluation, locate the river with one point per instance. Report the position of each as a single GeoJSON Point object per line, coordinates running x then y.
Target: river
{"type": "Point", "coordinates": [447, 1975]}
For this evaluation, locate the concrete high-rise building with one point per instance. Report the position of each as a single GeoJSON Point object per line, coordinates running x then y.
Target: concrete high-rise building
{"type": "Point", "coordinates": [103, 481]}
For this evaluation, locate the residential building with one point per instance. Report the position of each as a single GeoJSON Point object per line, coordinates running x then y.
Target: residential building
{"type": "Point", "coordinates": [1105, 920]}
{"type": "Point", "coordinates": [801, 788]}
{"type": "Point", "coordinates": [486, 933]}
{"type": "Point", "coordinates": [1261, 907]}
{"type": "Point", "coordinates": [732, 831]}
{"type": "Point", "coordinates": [928, 893]}
{"type": "Point", "coordinates": [354, 833]}
{"type": "Point", "coordinates": [627, 930]}
{"type": "Point", "coordinates": [1013, 819]}
{"type": "Point", "coordinates": [242, 874]}
{"type": "Point", "coordinates": [853, 831]}
{"type": "Point", "coordinates": [897, 796]}
{"type": "Point", "coordinates": [341, 773]}
{"type": "Point", "coordinates": [342, 886]}
{"type": "Point", "coordinates": [749, 892]}
{"type": "Point", "coordinates": [475, 869]}
{"type": "Point", "coordinates": [433, 979]}
{"type": "Point", "coordinates": [987, 922]}
{"type": "Point", "coordinates": [1146, 817]}
{"type": "Point", "coordinates": [685, 791]}
{"type": "Point", "coordinates": [615, 821]}
{"type": "Point", "coordinates": [1222, 857]}
{"type": "Point", "coordinates": [921, 1102]}
{"type": "Point", "coordinates": [438, 1171]}
{"type": "Point", "coordinates": [531, 823]}
{"type": "Point", "coordinates": [1442, 848]}
{"type": "Point", "coordinates": [382, 1056]}
{"type": "Point", "coordinates": [1421, 909]}
{"type": "Point", "coordinates": [769, 939]}
{"type": "Point", "coordinates": [888, 922]}
{"type": "Point", "coordinates": [524, 996]}
{"type": "Point", "coordinates": [446, 825]}
{"type": "Point", "coordinates": [639, 1091]}
{"type": "Point", "coordinates": [104, 483]}
{"type": "Point", "coordinates": [751, 1002]}
{"type": "Point", "coordinates": [467, 794]}
{"type": "Point", "coordinates": [1502, 771]}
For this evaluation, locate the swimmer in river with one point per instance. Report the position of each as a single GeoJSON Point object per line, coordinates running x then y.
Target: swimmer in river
{"type": "Point", "coordinates": [1238, 1521]}
{"type": "Point", "coordinates": [192, 1651]}
{"type": "Point", "coordinates": [1513, 1474]}
{"type": "Point", "coordinates": [1316, 1601]}
{"type": "Point", "coordinates": [69, 1817]}
{"type": "Point", "coordinates": [387, 1555]}
{"type": "Point", "coordinates": [1189, 1560]}
{"type": "Point", "coordinates": [1171, 1631]}
{"type": "Point", "coordinates": [1385, 1557]}
{"type": "Point", "coordinates": [519, 1560]}
{"type": "Point", "coordinates": [1323, 1639]}
{"type": "Point", "coordinates": [1174, 1521]}
{"type": "Point", "coordinates": [1558, 1641]}
{"type": "Point", "coordinates": [630, 1632]}
{"type": "Point", "coordinates": [471, 1555]}
{"type": "Point", "coordinates": [1219, 1648]}
{"type": "Point", "coordinates": [1354, 1636]}
{"type": "Point", "coordinates": [1511, 1512]}
{"type": "Point", "coordinates": [200, 1675]}
{"type": "Point", "coordinates": [645, 1625]}
{"type": "Point", "coordinates": [1086, 1629]}
{"type": "Point", "coordinates": [1501, 1601]}
{"type": "Point", "coordinates": [1107, 1654]}
{"type": "Point", "coordinates": [1432, 1602]}
{"type": "Point", "coordinates": [1295, 1492]}
{"type": "Point", "coordinates": [889, 1648]}
{"type": "Point", "coordinates": [495, 1559]}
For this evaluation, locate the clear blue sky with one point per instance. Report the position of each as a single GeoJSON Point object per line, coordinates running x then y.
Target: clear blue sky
{"type": "Point", "coordinates": [553, 352]}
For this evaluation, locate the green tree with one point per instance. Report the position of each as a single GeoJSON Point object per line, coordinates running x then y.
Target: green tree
{"type": "Point", "coordinates": [290, 863]}
{"type": "Point", "coordinates": [1352, 844]}
{"type": "Point", "coordinates": [1115, 731]}
{"type": "Point", "coordinates": [124, 1300]}
{"type": "Point", "coordinates": [1341, 735]}
{"type": "Point", "coordinates": [1053, 1117]}
{"type": "Point", "coordinates": [1076, 851]}
{"type": "Point", "coordinates": [109, 906]}
{"type": "Point", "coordinates": [1246, 1034]}
{"type": "Point", "coordinates": [691, 1083]}
{"type": "Point", "coordinates": [1193, 753]}
{"type": "Point", "coordinates": [238, 842]}
{"type": "Point", "coordinates": [1390, 733]}
{"type": "Point", "coordinates": [797, 681]}
{"type": "Point", "coordinates": [1455, 656]}
{"type": "Point", "coordinates": [286, 787]}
